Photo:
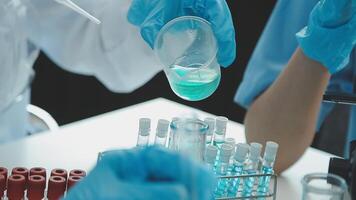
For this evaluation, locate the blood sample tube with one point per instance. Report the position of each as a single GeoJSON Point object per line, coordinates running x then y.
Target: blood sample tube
{"type": "Point", "coordinates": [56, 187]}
{"type": "Point", "coordinates": [2, 185]}
{"type": "Point", "coordinates": [3, 171]}
{"type": "Point", "coordinates": [38, 171]}
{"type": "Point", "coordinates": [72, 180]}
{"type": "Point", "coordinates": [16, 187]}
{"type": "Point", "coordinates": [59, 172]}
{"type": "Point", "coordinates": [36, 186]}
{"type": "Point", "coordinates": [77, 172]}
{"type": "Point", "coordinates": [20, 171]}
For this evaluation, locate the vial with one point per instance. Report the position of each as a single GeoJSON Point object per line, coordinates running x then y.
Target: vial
{"type": "Point", "coordinates": [210, 156]}
{"type": "Point", "coordinates": [209, 135]}
{"type": "Point", "coordinates": [144, 132]}
{"type": "Point", "coordinates": [161, 132]}
{"type": "Point", "coordinates": [220, 131]}
{"type": "Point", "coordinates": [269, 158]}
{"type": "Point", "coordinates": [251, 168]}
{"type": "Point", "coordinates": [172, 140]}
{"type": "Point", "coordinates": [237, 168]}
{"type": "Point", "coordinates": [222, 169]}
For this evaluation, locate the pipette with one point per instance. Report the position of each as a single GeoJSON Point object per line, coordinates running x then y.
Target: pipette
{"type": "Point", "coordinates": [79, 10]}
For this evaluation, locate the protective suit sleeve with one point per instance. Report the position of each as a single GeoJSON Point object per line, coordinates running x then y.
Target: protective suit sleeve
{"type": "Point", "coordinates": [275, 48]}
{"type": "Point", "coordinates": [113, 51]}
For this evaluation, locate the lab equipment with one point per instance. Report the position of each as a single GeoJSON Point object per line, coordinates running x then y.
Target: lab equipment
{"type": "Point", "coordinates": [151, 16]}
{"type": "Point", "coordinates": [322, 186]}
{"type": "Point", "coordinates": [32, 183]}
{"type": "Point", "coordinates": [345, 169]}
{"type": "Point", "coordinates": [70, 4]}
{"type": "Point", "coordinates": [331, 33]}
{"type": "Point", "coordinates": [56, 187]}
{"type": "Point", "coordinates": [191, 134]}
{"type": "Point", "coordinates": [36, 187]}
{"type": "Point", "coordinates": [231, 141]}
{"type": "Point", "coordinates": [210, 156]}
{"type": "Point", "coordinates": [144, 132]}
{"type": "Point", "coordinates": [161, 132]}
{"type": "Point", "coordinates": [220, 131]}
{"type": "Point", "coordinates": [251, 168]}
{"type": "Point", "coordinates": [145, 174]}
{"type": "Point", "coordinates": [269, 158]}
{"type": "Point", "coordinates": [222, 166]}
{"type": "Point", "coordinates": [211, 128]}
{"type": "Point", "coordinates": [173, 137]}
{"type": "Point", "coordinates": [187, 48]}
{"type": "Point", "coordinates": [238, 163]}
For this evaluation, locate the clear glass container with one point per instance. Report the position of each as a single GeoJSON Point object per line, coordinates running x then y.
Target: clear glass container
{"type": "Point", "coordinates": [187, 48]}
{"type": "Point", "coordinates": [323, 186]}
{"type": "Point", "coordinates": [190, 137]}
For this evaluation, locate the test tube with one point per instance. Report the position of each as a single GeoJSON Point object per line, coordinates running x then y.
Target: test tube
{"type": "Point", "coordinates": [239, 160]}
{"type": "Point", "coordinates": [21, 171]}
{"type": "Point", "coordinates": [16, 185]}
{"type": "Point", "coordinates": [144, 132]}
{"type": "Point", "coordinates": [56, 187]}
{"type": "Point", "coordinates": [2, 185]}
{"type": "Point", "coordinates": [36, 187]}
{"type": "Point", "coordinates": [222, 169]}
{"type": "Point", "coordinates": [77, 172]}
{"type": "Point", "coordinates": [60, 172]}
{"type": "Point", "coordinates": [161, 132]}
{"type": "Point", "coordinates": [220, 131]}
{"type": "Point", "coordinates": [210, 156]}
{"type": "Point", "coordinates": [267, 166]}
{"type": "Point", "coordinates": [209, 134]}
{"type": "Point", "coordinates": [38, 171]}
{"type": "Point", "coordinates": [72, 180]}
{"type": "Point", "coordinates": [172, 141]}
{"type": "Point", "coordinates": [251, 168]}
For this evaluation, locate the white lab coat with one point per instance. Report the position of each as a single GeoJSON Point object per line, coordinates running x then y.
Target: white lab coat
{"type": "Point", "coordinates": [113, 52]}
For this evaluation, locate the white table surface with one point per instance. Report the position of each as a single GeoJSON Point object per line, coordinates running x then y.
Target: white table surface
{"type": "Point", "coordinates": [76, 145]}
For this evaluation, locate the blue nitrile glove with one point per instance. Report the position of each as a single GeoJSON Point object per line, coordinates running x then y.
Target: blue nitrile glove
{"type": "Point", "coordinates": [331, 33]}
{"type": "Point", "coordinates": [145, 174]}
{"type": "Point", "coordinates": [152, 15]}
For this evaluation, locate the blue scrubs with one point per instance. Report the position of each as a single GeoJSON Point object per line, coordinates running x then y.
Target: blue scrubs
{"type": "Point", "coordinates": [275, 48]}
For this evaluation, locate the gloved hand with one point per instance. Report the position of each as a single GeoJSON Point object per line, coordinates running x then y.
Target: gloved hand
{"type": "Point", "coordinates": [331, 33]}
{"type": "Point", "coordinates": [152, 15]}
{"type": "Point", "coordinates": [145, 174]}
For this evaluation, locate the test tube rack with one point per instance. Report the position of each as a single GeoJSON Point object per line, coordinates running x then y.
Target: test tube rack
{"type": "Point", "coordinates": [255, 194]}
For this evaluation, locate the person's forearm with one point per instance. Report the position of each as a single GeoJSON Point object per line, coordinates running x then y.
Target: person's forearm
{"type": "Point", "coordinates": [287, 112]}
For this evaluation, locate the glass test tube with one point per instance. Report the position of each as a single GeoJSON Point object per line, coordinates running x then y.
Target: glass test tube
{"type": "Point", "coordinates": [144, 132]}
{"type": "Point", "coordinates": [161, 132]}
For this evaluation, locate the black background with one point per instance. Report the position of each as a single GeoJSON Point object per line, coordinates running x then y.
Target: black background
{"type": "Point", "coordinates": [71, 97]}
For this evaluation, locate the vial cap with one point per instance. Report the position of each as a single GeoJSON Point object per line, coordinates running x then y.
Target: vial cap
{"type": "Point", "coordinates": [211, 123]}
{"type": "Point", "coordinates": [226, 152]}
{"type": "Point", "coordinates": [144, 126]}
{"type": "Point", "coordinates": [255, 151]}
{"type": "Point", "coordinates": [162, 127]}
{"type": "Point", "coordinates": [220, 125]}
{"type": "Point", "coordinates": [241, 152]}
{"type": "Point", "coordinates": [230, 141]}
{"type": "Point", "coordinates": [210, 153]}
{"type": "Point", "coordinates": [271, 151]}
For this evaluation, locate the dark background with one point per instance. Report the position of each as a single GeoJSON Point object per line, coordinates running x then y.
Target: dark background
{"type": "Point", "coordinates": [71, 97]}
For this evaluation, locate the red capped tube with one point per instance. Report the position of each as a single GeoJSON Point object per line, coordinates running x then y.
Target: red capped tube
{"type": "Point", "coordinates": [38, 171]}
{"type": "Point", "coordinates": [59, 172]}
{"type": "Point", "coordinates": [72, 180]}
{"type": "Point", "coordinates": [56, 187]}
{"type": "Point", "coordinates": [77, 172]}
{"type": "Point", "coordinates": [2, 185]}
{"type": "Point", "coordinates": [20, 171]}
{"type": "Point", "coordinates": [16, 187]}
{"type": "Point", "coordinates": [4, 172]}
{"type": "Point", "coordinates": [36, 186]}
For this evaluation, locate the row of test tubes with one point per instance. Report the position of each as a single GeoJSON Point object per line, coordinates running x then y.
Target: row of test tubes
{"type": "Point", "coordinates": [241, 159]}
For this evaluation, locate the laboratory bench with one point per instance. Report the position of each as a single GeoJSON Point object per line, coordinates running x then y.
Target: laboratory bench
{"type": "Point", "coordinates": [76, 145]}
